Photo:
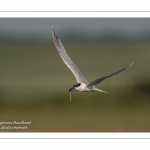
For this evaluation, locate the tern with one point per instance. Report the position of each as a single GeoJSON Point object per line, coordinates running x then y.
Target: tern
{"type": "Point", "coordinates": [83, 85]}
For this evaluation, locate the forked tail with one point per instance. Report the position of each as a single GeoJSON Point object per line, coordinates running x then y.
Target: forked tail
{"type": "Point", "coordinates": [95, 89]}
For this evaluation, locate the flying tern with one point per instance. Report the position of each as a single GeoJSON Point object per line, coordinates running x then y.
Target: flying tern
{"type": "Point", "coordinates": [83, 85]}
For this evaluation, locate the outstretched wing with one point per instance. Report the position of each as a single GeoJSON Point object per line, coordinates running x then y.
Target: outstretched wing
{"type": "Point", "coordinates": [67, 60]}
{"type": "Point", "coordinates": [97, 81]}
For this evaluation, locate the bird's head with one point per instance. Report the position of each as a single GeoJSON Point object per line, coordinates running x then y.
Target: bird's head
{"type": "Point", "coordinates": [74, 87]}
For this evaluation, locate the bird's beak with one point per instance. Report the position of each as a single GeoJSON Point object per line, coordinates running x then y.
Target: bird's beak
{"type": "Point", "coordinates": [71, 89]}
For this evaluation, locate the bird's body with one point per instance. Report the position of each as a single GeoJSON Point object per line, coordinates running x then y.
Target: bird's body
{"type": "Point", "coordinates": [84, 88]}
{"type": "Point", "coordinates": [83, 85]}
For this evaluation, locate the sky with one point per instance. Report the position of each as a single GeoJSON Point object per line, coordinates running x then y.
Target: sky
{"type": "Point", "coordinates": [40, 28]}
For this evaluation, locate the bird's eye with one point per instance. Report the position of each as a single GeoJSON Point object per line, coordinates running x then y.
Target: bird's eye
{"type": "Point", "coordinates": [79, 84]}
{"type": "Point", "coordinates": [76, 85]}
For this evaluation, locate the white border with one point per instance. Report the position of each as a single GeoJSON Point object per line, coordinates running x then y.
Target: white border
{"type": "Point", "coordinates": [74, 14]}
{"type": "Point", "coordinates": [78, 5]}
{"type": "Point", "coordinates": [75, 135]}
{"type": "Point", "coordinates": [74, 5]}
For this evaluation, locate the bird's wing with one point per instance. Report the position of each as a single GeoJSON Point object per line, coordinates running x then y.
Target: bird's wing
{"type": "Point", "coordinates": [67, 60]}
{"type": "Point", "coordinates": [97, 81]}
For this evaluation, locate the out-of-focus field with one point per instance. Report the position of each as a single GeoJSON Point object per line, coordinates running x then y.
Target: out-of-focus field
{"type": "Point", "coordinates": [34, 85]}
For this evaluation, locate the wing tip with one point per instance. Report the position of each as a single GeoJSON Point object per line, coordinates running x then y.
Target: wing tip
{"type": "Point", "coordinates": [131, 64]}
{"type": "Point", "coordinates": [52, 29]}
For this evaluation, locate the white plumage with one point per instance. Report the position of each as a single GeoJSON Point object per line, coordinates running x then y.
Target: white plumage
{"type": "Point", "coordinates": [83, 85]}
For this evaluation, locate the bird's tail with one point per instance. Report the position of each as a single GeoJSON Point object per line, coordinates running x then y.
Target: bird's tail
{"type": "Point", "coordinates": [100, 90]}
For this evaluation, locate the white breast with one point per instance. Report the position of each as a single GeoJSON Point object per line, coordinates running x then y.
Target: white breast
{"type": "Point", "coordinates": [83, 88]}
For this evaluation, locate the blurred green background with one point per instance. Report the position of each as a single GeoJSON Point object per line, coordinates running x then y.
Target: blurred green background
{"type": "Point", "coordinates": [34, 84]}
